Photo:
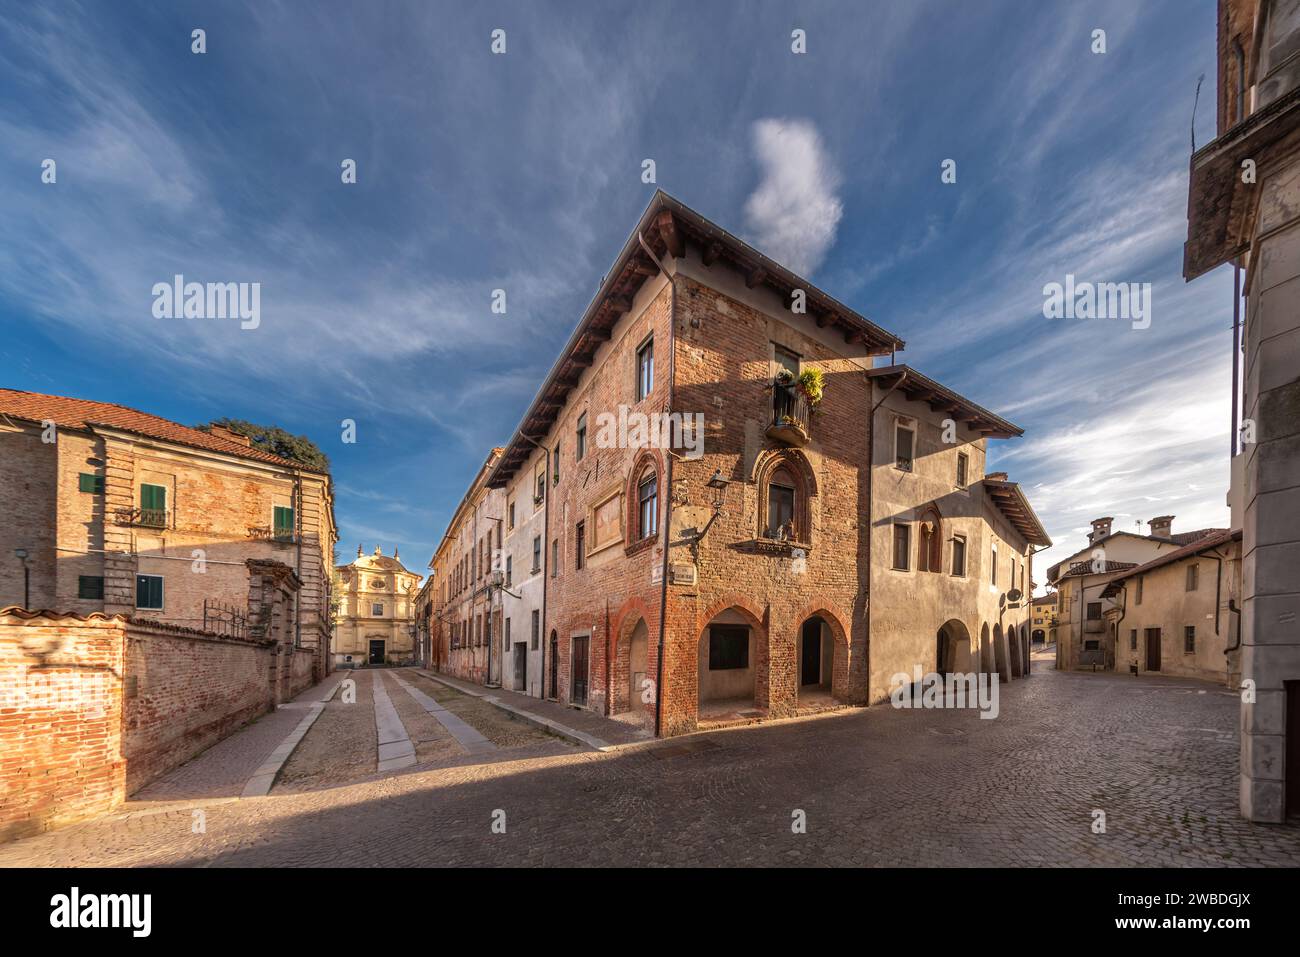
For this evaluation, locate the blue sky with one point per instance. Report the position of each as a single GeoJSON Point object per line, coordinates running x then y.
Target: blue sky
{"type": "Point", "coordinates": [523, 171]}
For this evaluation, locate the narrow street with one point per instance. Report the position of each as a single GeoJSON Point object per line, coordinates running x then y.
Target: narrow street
{"type": "Point", "coordinates": [877, 787]}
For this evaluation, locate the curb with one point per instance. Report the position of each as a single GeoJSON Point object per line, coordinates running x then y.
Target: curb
{"type": "Point", "coordinates": [259, 785]}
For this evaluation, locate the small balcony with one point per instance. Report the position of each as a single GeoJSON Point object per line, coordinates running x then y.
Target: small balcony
{"type": "Point", "coordinates": [265, 533]}
{"type": "Point", "coordinates": [145, 517]}
{"type": "Point", "coordinates": [789, 416]}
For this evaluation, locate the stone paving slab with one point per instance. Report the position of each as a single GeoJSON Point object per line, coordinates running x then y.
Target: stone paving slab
{"type": "Point", "coordinates": [581, 727]}
{"type": "Point", "coordinates": [466, 736]}
{"type": "Point", "coordinates": [395, 748]}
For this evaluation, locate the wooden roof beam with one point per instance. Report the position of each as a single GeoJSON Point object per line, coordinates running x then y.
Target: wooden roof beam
{"type": "Point", "coordinates": [670, 234]}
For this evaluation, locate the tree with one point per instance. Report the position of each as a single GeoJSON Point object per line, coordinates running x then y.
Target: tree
{"type": "Point", "coordinates": [273, 439]}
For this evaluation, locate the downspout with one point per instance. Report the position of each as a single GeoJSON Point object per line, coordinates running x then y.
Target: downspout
{"type": "Point", "coordinates": [1122, 612]}
{"type": "Point", "coordinates": [1218, 587]}
{"type": "Point", "coordinates": [297, 595]}
{"type": "Point", "coordinates": [668, 485]}
{"type": "Point", "coordinates": [1236, 360]}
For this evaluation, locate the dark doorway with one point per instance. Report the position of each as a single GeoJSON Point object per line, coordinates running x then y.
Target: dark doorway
{"type": "Point", "coordinates": [1153, 649]}
{"type": "Point", "coordinates": [812, 652]}
{"type": "Point", "coordinates": [578, 680]}
{"type": "Point", "coordinates": [555, 666]}
{"type": "Point", "coordinates": [521, 666]}
{"type": "Point", "coordinates": [1292, 747]}
{"type": "Point", "coordinates": [376, 651]}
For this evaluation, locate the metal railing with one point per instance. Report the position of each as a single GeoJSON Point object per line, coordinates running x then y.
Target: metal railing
{"type": "Point", "coordinates": [222, 619]}
{"type": "Point", "coordinates": [148, 517]}
{"type": "Point", "coordinates": [789, 408]}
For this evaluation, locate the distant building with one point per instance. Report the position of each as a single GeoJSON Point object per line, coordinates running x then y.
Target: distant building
{"type": "Point", "coordinates": [1081, 633]}
{"type": "Point", "coordinates": [1042, 618]}
{"type": "Point", "coordinates": [1175, 614]}
{"type": "Point", "coordinates": [375, 621]}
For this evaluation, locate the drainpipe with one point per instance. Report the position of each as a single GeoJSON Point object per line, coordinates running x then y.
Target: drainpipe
{"type": "Point", "coordinates": [1236, 358]}
{"type": "Point", "coordinates": [668, 484]}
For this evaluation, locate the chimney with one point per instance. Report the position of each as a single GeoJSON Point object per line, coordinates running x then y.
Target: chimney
{"type": "Point", "coordinates": [224, 433]}
{"type": "Point", "coordinates": [1162, 526]}
{"type": "Point", "coordinates": [1100, 528]}
{"type": "Point", "coordinates": [996, 476]}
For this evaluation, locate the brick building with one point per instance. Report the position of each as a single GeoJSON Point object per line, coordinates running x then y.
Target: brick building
{"type": "Point", "coordinates": [375, 618]}
{"type": "Point", "coordinates": [734, 512]}
{"type": "Point", "coordinates": [1243, 208]}
{"type": "Point", "coordinates": [117, 511]}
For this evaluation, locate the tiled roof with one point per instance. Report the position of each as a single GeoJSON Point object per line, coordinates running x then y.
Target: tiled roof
{"type": "Point", "coordinates": [1186, 538]}
{"type": "Point", "coordinates": [1217, 537]}
{"type": "Point", "coordinates": [83, 414]}
{"type": "Point", "coordinates": [1085, 568]}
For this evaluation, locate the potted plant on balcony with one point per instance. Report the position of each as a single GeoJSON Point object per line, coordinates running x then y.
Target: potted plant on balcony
{"type": "Point", "coordinates": [810, 384]}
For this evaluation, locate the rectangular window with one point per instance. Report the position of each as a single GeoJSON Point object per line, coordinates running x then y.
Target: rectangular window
{"type": "Point", "coordinates": [962, 462]}
{"type": "Point", "coordinates": [1189, 640]}
{"type": "Point", "coordinates": [645, 369]}
{"type": "Point", "coordinates": [149, 592]}
{"type": "Point", "coordinates": [153, 505]}
{"type": "Point", "coordinates": [580, 438]}
{"type": "Point", "coordinates": [993, 566]}
{"type": "Point", "coordinates": [510, 511]}
{"type": "Point", "coordinates": [1133, 639]}
{"type": "Point", "coordinates": [647, 495]}
{"type": "Point", "coordinates": [541, 489]}
{"type": "Point", "coordinates": [537, 629]}
{"type": "Point", "coordinates": [728, 647]}
{"type": "Point", "coordinates": [86, 482]}
{"type": "Point", "coordinates": [902, 545]}
{"type": "Point", "coordinates": [959, 556]}
{"type": "Point", "coordinates": [786, 360]}
{"type": "Point", "coordinates": [537, 554]}
{"type": "Point", "coordinates": [377, 609]}
{"type": "Point", "coordinates": [507, 634]}
{"type": "Point", "coordinates": [90, 586]}
{"type": "Point", "coordinates": [283, 523]}
{"type": "Point", "coordinates": [580, 542]}
{"type": "Point", "coordinates": [555, 557]}
{"type": "Point", "coordinates": [555, 465]}
{"type": "Point", "coordinates": [1137, 591]}
{"type": "Point", "coordinates": [904, 439]}
{"type": "Point", "coordinates": [780, 510]}
{"type": "Point", "coordinates": [510, 570]}
{"type": "Point", "coordinates": [1193, 576]}
{"type": "Point", "coordinates": [1094, 611]}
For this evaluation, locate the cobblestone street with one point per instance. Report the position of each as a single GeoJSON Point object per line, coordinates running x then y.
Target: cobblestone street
{"type": "Point", "coordinates": [879, 787]}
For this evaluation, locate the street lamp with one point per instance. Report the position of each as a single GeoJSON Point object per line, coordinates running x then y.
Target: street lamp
{"type": "Point", "coordinates": [21, 555]}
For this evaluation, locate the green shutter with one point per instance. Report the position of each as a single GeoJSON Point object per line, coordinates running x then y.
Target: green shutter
{"type": "Point", "coordinates": [148, 591]}
{"type": "Point", "coordinates": [153, 497]}
{"type": "Point", "coordinates": [283, 522]}
{"type": "Point", "coordinates": [90, 586]}
{"type": "Point", "coordinates": [88, 482]}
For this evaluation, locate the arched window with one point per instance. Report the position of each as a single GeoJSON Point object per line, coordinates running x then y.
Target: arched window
{"type": "Point", "coordinates": [929, 546]}
{"type": "Point", "coordinates": [785, 483]}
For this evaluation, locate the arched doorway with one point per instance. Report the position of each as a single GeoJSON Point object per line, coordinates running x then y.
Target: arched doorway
{"type": "Point", "coordinates": [1039, 636]}
{"type": "Point", "coordinates": [730, 648]}
{"type": "Point", "coordinates": [555, 666]}
{"type": "Point", "coordinates": [639, 681]}
{"type": "Point", "coordinates": [816, 661]}
{"type": "Point", "coordinates": [953, 652]}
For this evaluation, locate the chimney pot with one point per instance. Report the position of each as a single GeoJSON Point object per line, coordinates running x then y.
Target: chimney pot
{"type": "Point", "coordinates": [1162, 526]}
{"type": "Point", "coordinates": [1100, 528]}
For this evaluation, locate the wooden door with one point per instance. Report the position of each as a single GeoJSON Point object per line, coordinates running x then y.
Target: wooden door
{"type": "Point", "coordinates": [578, 679]}
{"type": "Point", "coordinates": [1153, 649]}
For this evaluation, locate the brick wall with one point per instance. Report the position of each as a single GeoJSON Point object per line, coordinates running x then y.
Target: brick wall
{"type": "Point", "coordinates": [60, 719]}
{"type": "Point", "coordinates": [184, 692]}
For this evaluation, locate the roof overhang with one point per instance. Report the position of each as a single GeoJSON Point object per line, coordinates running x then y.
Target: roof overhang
{"type": "Point", "coordinates": [919, 388]}
{"type": "Point", "coordinates": [1221, 208]}
{"type": "Point", "coordinates": [1012, 503]}
{"type": "Point", "coordinates": [667, 226]}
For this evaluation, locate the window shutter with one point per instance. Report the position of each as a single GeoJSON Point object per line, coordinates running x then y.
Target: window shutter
{"type": "Point", "coordinates": [283, 522]}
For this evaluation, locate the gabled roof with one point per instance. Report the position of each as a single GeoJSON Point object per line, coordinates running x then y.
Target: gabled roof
{"type": "Point", "coordinates": [666, 226]}
{"type": "Point", "coordinates": [919, 388]}
{"type": "Point", "coordinates": [84, 414]}
{"type": "Point", "coordinates": [1217, 537]}
{"type": "Point", "coordinates": [1012, 503]}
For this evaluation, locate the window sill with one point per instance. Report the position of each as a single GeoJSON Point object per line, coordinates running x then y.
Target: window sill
{"type": "Point", "coordinates": [640, 546]}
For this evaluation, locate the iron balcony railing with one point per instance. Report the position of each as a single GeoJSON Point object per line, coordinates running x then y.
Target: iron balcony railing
{"type": "Point", "coordinates": [148, 517]}
{"type": "Point", "coordinates": [789, 415]}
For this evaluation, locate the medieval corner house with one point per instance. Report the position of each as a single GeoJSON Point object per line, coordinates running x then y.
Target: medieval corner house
{"type": "Point", "coordinates": [145, 563]}
{"type": "Point", "coordinates": [818, 524]}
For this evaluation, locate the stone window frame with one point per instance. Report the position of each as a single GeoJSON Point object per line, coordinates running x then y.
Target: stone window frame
{"type": "Point", "coordinates": [908, 424]}
{"type": "Point", "coordinates": [800, 470]}
{"type": "Point", "coordinates": [933, 545]}
{"type": "Point", "coordinates": [646, 461]}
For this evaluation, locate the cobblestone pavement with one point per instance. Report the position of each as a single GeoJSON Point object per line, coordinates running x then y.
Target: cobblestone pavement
{"type": "Point", "coordinates": [878, 786]}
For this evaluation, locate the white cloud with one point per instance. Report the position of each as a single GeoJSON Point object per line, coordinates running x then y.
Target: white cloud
{"type": "Point", "coordinates": [794, 212]}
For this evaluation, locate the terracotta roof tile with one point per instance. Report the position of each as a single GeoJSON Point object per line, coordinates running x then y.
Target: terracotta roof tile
{"type": "Point", "coordinates": [82, 414]}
